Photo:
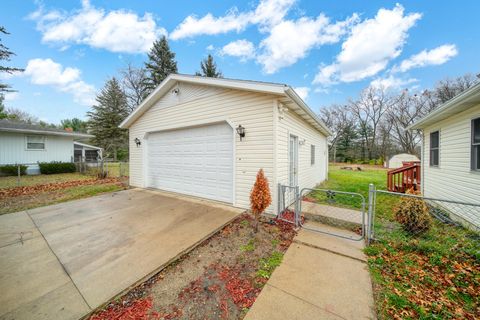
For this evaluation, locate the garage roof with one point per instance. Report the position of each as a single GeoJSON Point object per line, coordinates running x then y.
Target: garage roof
{"type": "Point", "coordinates": [457, 104]}
{"type": "Point", "coordinates": [287, 96]}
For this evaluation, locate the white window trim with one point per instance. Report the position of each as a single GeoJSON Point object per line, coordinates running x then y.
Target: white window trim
{"type": "Point", "coordinates": [472, 144]}
{"type": "Point", "coordinates": [313, 155]}
{"type": "Point", "coordinates": [430, 149]}
{"type": "Point", "coordinates": [33, 135]}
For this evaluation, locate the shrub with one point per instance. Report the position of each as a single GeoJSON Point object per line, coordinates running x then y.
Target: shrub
{"type": "Point", "coordinates": [412, 214]}
{"type": "Point", "coordinates": [12, 170]}
{"type": "Point", "coordinates": [260, 197]}
{"type": "Point", "coordinates": [56, 167]}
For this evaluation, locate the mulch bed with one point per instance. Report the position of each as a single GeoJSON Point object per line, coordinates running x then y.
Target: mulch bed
{"type": "Point", "coordinates": [220, 279]}
{"type": "Point", "coordinates": [40, 188]}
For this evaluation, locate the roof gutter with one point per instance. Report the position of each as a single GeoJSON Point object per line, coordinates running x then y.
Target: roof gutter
{"type": "Point", "coordinates": [294, 96]}
{"type": "Point", "coordinates": [48, 133]}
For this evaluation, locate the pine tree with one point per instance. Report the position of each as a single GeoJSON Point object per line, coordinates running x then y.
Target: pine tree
{"type": "Point", "coordinates": [161, 63]}
{"type": "Point", "coordinates": [260, 197]}
{"type": "Point", "coordinates": [5, 55]}
{"type": "Point", "coordinates": [209, 68]}
{"type": "Point", "coordinates": [106, 116]}
{"type": "Point", "coordinates": [3, 112]}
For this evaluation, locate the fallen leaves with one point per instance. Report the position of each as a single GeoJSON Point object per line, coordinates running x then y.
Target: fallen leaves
{"type": "Point", "coordinates": [39, 188]}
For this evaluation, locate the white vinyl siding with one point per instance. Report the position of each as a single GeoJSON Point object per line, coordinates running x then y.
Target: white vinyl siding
{"type": "Point", "coordinates": [309, 175]}
{"type": "Point", "coordinates": [203, 105]}
{"type": "Point", "coordinates": [453, 179]}
{"type": "Point", "coordinates": [13, 149]}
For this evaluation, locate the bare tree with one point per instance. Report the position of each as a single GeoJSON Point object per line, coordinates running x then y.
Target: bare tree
{"type": "Point", "coordinates": [448, 88]}
{"type": "Point", "coordinates": [369, 110]}
{"type": "Point", "coordinates": [338, 119]}
{"type": "Point", "coordinates": [408, 109]}
{"type": "Point", "coordinates": [134, 85]}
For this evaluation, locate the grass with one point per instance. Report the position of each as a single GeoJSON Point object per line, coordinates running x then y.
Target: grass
{"type": "Point", "coordinates": [21, 203]}
{"type": "Point", "coordinates": [11, 182]}
{"type": "Point", "coordinates": [267, 265]}
{"type": "Point", "coordinates": [435, 275]}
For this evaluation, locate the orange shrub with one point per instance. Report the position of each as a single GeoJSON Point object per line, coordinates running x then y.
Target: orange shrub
{"type": "Point", "coordinates": [260, 197]}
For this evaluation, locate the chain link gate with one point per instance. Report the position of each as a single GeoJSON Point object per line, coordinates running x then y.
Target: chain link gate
{"type": "Point", "coordinates": [337, 213]}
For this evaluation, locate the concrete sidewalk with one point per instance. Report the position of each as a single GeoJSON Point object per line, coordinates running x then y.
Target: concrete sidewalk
{"type": "Point", "coordinates": [321, 277]}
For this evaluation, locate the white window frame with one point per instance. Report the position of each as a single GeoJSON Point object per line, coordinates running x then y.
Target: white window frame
{"type": "Point", "coordinates": [34, 149]}
{"type": "Point", "coordinates": [437, 148]}
{"type": "Point", "coordinates": [312, 154]}
{"type": "Point", "coordinates": [473, 145]}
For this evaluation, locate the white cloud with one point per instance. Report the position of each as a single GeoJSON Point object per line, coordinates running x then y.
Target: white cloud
{"type": "Point", "coordinates": [10, 96]}
{"type": "Point", "coordinates": [302, 92]}
{"type": "Point", "coordinates": [242, 49]}
{"type": "Point", "coordinates": [51, 73]}
{"type": "Point", "coordinates": [392, 83]}
{"type": "Point", "coordinates": [210, 47]}
{"type": "Point", "coordinates": [266, 14]}
{"type": "Point", "coordinates": [291, 40]}
{"type": "Point", "coordinates": [116, 31]}
{"type": "Point", "coordinates": [436, 56]}
{"type": "Point", "coordinates": [372, 44]}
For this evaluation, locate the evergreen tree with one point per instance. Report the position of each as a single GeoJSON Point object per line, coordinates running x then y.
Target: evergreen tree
{"type": "Point", "coordinates": [5, 55]}
{"type": "Point", "coordinates": [209, 68]}
{"type": "Point", "coordinates": [161, 63]}
{"type": "Point", "coordinates": [75, 124]}
{"type": "Point", "coordinates": [106, 116]}
{"type": "Point", "coordinates": [3, 112]}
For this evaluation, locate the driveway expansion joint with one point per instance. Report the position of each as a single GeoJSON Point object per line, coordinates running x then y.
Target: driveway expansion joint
{"type": "Point", "coordinates": [58, 259]}
{"type": "Point", "coordinates": [327, 250]}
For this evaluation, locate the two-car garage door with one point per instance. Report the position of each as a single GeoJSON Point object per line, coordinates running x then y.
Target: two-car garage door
{"type": "Point", "coordinates": [197, 161]}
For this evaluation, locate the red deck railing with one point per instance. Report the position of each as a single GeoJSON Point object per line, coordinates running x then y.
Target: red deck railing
{"type": "Point", "coordinates": [404, 178]}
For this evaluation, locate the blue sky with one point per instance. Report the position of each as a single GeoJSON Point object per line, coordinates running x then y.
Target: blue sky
{"type": "Point", "coordinates": [330, 50]}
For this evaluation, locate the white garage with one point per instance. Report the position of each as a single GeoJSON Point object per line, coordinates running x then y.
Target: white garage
{"type": "Point", "coordinates": [197, 161]}
{"type": "Point", "coordinates": [186, 137]}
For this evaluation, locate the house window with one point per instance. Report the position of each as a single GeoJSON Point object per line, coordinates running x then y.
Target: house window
{"type": "Point", "coordinates": [312, 154]}
{"type": "Point", "coordinates": [475, 165]}
{"type": "Point", "coordinates": [35, 142]}
{"type": "Point", "coordinates": [434, 148]}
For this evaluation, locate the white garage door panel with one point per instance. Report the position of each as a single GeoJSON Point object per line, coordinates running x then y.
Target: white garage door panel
{"type": "Point", "coordinates": [196, 161]}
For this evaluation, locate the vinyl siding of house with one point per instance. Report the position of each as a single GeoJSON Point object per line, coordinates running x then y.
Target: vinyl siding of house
{"type": "Point", "coordinates": [13, 149]}
{"type": "Point", "coordinates": [452, 179]}
{"type": "Point", "coordinates": [309, 176]}
{"type": "Point", "coordinates": [196, 105]}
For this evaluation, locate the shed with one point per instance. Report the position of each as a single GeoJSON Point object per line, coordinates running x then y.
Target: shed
{"type": "Point", "coordinates": [208, 137]}
{"type": "Point", "coordinates": [397, 160]}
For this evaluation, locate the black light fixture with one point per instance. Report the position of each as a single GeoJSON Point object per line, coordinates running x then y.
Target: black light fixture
{"type": "Point", "coordinates": [241, 131]}
{"type": "Point", "coordinates": [137, 142]}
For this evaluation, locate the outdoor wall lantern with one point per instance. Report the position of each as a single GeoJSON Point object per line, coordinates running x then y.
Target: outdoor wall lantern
{"type": "Point", "coordinates": [137, 142]}
{"type": "Point", "coordinates": [241, 131]}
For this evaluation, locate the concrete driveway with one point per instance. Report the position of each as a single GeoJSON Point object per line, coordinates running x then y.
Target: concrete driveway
{"type": "Point", "coordinates": [62, 261]}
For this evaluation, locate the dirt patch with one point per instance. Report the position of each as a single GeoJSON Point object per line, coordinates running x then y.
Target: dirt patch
{"type": "Point", "coordinates": [220, 279]}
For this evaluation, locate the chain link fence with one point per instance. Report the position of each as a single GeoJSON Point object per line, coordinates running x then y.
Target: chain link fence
{"type": "Point", "coordinates": [404, 214]}
{"type": "Point", "coordinates": [26, 174]}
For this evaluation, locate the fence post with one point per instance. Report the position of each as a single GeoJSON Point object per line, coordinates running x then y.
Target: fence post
{"type": "Point", "coordinates": [297, 205]}
{"type": "Point", "coordinates": [18, 175]}
{"type": "Point", "coordinates": [371, 197]}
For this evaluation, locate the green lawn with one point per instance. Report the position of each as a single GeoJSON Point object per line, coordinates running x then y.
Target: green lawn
{"type": "Point", "coordinates": [10, 182]}
{"type": "Point", "coordinates": [431, 276]}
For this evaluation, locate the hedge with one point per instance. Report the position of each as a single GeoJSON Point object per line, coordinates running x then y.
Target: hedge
{"type": "Point", "coordinates": [56, 167]}
{"type": "Point", "coordinates": [12, 170]}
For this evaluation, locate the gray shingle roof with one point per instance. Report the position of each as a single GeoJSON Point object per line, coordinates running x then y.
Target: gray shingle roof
{"type": "Point", "coordinates": [15, 126]}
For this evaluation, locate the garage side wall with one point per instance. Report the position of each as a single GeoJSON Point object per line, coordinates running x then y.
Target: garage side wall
{"type": "Point", "coordinates": [207, 105]}
{"type": "Point", "coordinates": [308, 175]}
